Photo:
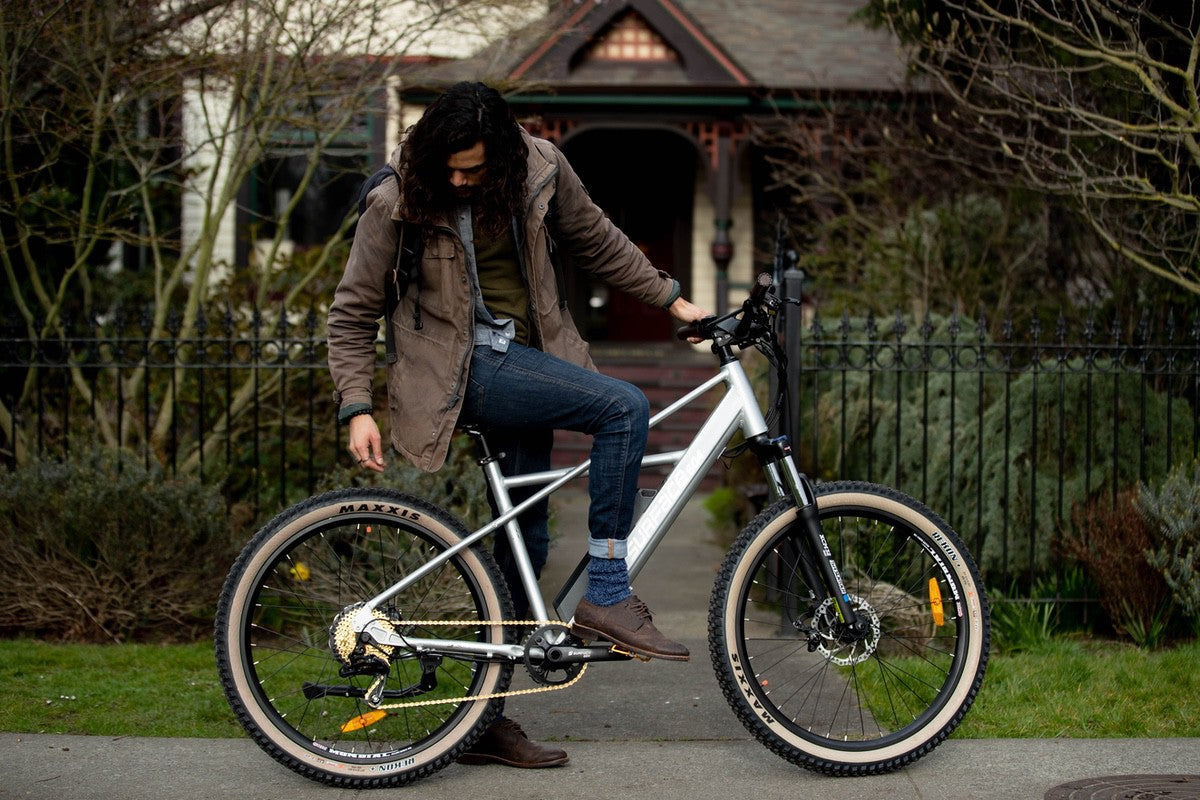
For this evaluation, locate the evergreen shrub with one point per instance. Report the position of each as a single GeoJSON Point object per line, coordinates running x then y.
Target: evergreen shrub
{"type": "Point", "coordinates": [1172, 514]}
{"type": "Point", "coordinates": [990, 445]}
{"type": "Point", "coordinates": [100, 548]}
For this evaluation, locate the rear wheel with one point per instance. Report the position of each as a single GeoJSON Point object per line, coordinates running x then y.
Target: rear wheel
{"type": "Point", "coordinates": [821, 695]}
{"type": "Point", "coordinates": [296, 675]}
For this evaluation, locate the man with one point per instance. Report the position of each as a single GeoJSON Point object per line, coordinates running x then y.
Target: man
{"type": "Point", "coordinates": [482, 337]}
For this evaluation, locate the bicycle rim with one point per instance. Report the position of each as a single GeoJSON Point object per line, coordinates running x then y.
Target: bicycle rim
{"type": "Point", "coordinates": [816, 696]}
{"type": "Point", "coordinates": [287, 684]}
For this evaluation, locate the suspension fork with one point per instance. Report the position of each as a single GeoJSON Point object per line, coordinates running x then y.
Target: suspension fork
{"type": "Point", "coordinates": [817, 565]}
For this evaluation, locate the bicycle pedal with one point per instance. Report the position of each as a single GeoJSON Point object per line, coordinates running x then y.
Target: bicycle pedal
{"type": "Point", "coordinates": [628, 653]}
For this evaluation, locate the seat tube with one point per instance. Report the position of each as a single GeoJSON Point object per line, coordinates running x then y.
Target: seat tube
{"type": "Point", "coordinates": [512, 529]}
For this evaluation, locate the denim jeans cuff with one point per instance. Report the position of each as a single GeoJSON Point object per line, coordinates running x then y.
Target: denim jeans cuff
{"type": "Point", "coordinates": [606, 548]}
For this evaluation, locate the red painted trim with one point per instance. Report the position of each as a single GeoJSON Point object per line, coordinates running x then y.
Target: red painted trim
{"type": "Point", "coordinates": [536, 55]}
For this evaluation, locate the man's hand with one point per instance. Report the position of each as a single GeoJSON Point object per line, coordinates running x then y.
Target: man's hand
{"type": "Point", "coordinates": [365, 444]}
{"type": "Point", "coordinates": [685, 311]}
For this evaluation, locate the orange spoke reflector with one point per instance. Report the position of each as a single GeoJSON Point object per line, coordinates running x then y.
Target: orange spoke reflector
{"type": "Point", "coordinates": [935, 603]}
{"type": "Point", "coordinates": [363, 720]}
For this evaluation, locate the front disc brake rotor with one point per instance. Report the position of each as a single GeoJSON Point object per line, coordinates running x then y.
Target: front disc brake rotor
{"type": "Point", "coordinates": [835, 643]}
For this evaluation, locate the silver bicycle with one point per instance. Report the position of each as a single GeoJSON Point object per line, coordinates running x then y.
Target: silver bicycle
{"type": "Point", "coordinates": [366, 638]}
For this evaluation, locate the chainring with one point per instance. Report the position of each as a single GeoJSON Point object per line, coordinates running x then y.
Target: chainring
{"type": "Point", "coordinates": [541, 671]}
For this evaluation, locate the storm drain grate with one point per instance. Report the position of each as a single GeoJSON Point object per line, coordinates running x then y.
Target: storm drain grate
{"type": "Point", "coordinates": [1129, 787]}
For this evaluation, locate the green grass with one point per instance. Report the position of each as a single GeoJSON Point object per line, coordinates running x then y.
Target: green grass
{"type": "Point", "coordinates": [112, 690]}
{"type": "Point", "coordinates": [1065, 688]}
{"type": "Point", "coordinates": [1068, 688]}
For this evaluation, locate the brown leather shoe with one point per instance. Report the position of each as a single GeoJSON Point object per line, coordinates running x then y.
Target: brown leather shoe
{"type": "Point", "coordinates": [627, 624]}
{"type": "Point", "coordinates": [505, 743]}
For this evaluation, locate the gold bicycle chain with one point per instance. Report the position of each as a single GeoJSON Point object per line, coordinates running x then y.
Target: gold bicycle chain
{"type": "Point", "coordinates": [490, 696]}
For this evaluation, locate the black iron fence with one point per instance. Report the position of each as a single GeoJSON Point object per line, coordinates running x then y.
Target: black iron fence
{"type": "Point", "coordinates": [1005, 434]}
{"type": "Point", "coordinates": [244, 399]}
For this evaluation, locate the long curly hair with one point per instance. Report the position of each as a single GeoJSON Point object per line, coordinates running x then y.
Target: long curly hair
{"type": "Point", "coordinates": [464, 114]}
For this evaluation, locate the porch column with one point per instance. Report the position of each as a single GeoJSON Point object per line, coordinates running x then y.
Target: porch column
{"type": "Point", "coordinates": [719, 141]}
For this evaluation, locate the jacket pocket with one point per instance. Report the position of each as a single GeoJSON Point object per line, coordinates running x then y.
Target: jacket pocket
{"type": "Point", "coordinates": [443, 282]}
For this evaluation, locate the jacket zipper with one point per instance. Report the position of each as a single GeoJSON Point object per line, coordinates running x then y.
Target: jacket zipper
{"type": "Point", "coordinates": [523, 269]}
{"type": "Point", "coordinates": [521, 262]}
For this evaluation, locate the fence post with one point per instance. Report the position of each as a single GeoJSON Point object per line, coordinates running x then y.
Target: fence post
{"type": "Point", "coordinates": [793, 324]}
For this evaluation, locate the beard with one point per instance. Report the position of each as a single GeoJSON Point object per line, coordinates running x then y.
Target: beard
{"type": "Point", "coordinates": [466, 194]}
{"type": "Point", "coordinates": [486, 214]}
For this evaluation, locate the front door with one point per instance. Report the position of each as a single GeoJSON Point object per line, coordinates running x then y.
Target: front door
{"type": "Point", "coordinates": [645, 181]}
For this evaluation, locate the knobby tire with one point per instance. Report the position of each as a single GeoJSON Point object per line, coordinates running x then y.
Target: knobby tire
{"type": "Point", "coordinates": [813, 695]}
{"type": "Point", "coordinates": [272, 639]}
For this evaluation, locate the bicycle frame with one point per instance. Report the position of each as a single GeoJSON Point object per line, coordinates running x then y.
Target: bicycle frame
{"type": "Point", "coordinates": [780, 614]}
{"type": "Point", "coordinates": [738, 409]}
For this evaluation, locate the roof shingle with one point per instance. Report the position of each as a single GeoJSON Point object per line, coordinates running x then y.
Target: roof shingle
{"type": "Point", "coordinates": [799, 45]}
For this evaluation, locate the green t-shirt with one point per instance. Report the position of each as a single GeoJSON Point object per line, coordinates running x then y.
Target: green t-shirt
{"type": "Point", "coordinates": [500, 283]}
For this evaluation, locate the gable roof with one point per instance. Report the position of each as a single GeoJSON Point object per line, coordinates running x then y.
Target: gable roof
{"type": "Point", "coordinates": [705, 62]}
{"type": "Point", "coordinates": [798, 45]}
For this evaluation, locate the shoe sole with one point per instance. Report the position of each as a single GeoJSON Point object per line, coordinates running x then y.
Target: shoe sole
{"type": "Point", "coordinates": [595, 634]}
{"type": "Point", "coordinates": [478, 759]}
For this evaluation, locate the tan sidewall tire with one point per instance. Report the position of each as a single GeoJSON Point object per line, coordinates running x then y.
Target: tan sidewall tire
{"type": "Point", "coordinates": [973, 609]}
{"type": "Point", "coordinates": [279, 741]}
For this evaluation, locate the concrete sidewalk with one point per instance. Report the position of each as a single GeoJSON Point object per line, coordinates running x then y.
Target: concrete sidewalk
{"type": "Point", "coordinates": [657, 729]}
{"type": "Point", "coordinates": [100, 768]}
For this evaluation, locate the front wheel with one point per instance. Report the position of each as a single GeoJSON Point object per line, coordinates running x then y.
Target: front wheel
{"type": "Point", "coordinates": [287, 656]}
{"type": "Point", "coordinates": [835, 700]}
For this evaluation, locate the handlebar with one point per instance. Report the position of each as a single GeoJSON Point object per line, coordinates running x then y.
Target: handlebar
{"type": "Point", "coordinates": [742, 326]}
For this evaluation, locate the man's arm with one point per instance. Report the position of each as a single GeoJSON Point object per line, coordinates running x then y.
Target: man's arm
{"type": "Point", "coordinates": [590, 240]}
{"type": "Point", "coordinates": [353, 323]}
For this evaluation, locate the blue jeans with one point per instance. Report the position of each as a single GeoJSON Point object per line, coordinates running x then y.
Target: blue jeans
{"type": "Point", "coordinates": [525, 389]}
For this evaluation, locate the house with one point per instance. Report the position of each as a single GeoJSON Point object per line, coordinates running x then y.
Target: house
{"type": "Point", "coordinates": [655, 102]}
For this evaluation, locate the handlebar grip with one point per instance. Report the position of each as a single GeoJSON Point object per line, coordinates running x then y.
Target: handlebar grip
{"type": "Point", "coordinates": [693, 330]}
{"type": "Point", "coordinates": [762, 285]}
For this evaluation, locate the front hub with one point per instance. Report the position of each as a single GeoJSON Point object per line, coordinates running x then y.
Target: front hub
{"type": "Point", "coordinates": [837, 641]}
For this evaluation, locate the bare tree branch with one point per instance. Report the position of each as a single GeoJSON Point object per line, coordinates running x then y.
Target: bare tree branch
{"type": "Point", "coordinates": [1092, 100]}
{"type": "Point", "coordinates": [115, 114]}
